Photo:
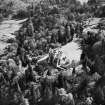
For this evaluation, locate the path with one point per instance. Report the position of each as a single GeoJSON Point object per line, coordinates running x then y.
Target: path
{"type": "Point", "coordinates": [91, 23]}
{"type": "Point", "coordinates": [7, 28]}
{"type": "Point", "coordinates": [70, 50]}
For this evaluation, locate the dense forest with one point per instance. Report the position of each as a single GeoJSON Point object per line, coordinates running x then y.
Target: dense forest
{"type": "Point", "coordinates": [32, 69]}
